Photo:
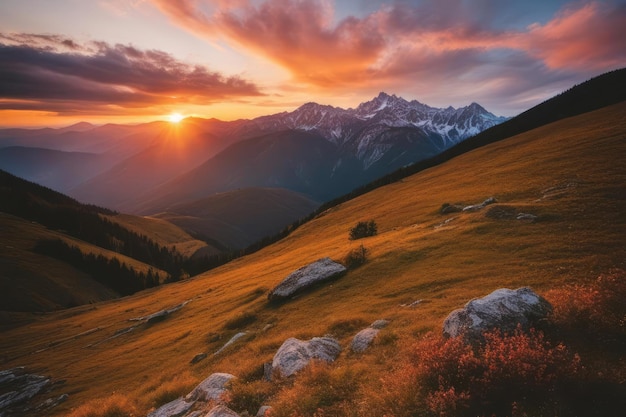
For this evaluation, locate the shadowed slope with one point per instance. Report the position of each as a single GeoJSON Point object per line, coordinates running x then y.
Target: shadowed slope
{"type": "Point", "coordinates": [239, 218]}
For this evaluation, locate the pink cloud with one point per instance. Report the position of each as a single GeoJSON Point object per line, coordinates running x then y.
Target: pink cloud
{"type": "Point", "coordinates": [589, 37]}
{"type": "Point", "coordinates": [303, 37]}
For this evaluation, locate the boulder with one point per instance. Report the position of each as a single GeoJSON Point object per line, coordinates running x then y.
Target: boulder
{"type": "Point", "coordinates": [306, 277]}
{"type": "Point", "coordinates": [211, 388]}
{"type": "Point", "coordinates": [221, 411]}
{"type": "Point", "coordinates": [176, 408]}
{"type": "Point", "coordinates": [363, 339]}
{"type": "Point", "coordinates": [295, 354]}
{"type": "Point", "coordinates": [503, 309]}
{"type": "Point", "coordinates": [264, 410]}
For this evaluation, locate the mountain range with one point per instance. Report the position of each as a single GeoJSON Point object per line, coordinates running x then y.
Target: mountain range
{"type": "Point", "coordinates": [555, 182]}
{"type": "Point", "coordinates": [319, 150]}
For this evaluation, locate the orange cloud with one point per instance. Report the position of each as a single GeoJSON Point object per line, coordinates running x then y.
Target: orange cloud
{"type": "Point", "coordinates": [304, 37]}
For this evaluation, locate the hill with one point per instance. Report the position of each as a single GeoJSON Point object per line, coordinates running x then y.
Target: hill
{"type": "Point", "coordinates": [569, 174]}
{"type": "Point", "coordinates": [56, 247]}
{"type": "Point", "coordinates": [58, 170]}
{"type": "Point", "coordinates": [237, 219]}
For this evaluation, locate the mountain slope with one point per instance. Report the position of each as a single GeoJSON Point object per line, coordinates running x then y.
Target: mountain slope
{"type": "Point", "coordinates": [363, 144]}
{"type": "Point", "coordinates": [56, 248]}
{"type": "Point", "coordinates": [59, 170]}
{"type": "Point", "coordinates": [296, 160]}
{"type": "Point", "coordinates": [569, 173]}
{"type": "Point", "coordinates": [237, 219]}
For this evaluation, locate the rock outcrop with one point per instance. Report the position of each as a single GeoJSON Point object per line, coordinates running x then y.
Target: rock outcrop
{"type": "Point", "coordinates": [363, 339]}
{"type": "Point", "coordinates": [306, 277]}
{"type": "Point", "coordinates": [230, 342]}
{"type": "Point", "coordinates": [208, 391]}
{"type": "Point", "coordinates": [211, 389]}
{"type": "Point", "coordinates": [18, 390]}
{"type": "Point", "coordinates": [503, 309]}
{"type": "Point", "coordinates": [476, 207]}
{"type": "Point", "coordinates": [295, 354]}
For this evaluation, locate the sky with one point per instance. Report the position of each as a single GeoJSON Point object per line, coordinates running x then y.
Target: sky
{"type": "Point", "coordinates": [133, 61]}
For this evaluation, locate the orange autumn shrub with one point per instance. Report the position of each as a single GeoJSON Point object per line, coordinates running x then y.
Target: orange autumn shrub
{"type": "Point", "coordinates": [520, 372]}
{"type": "Point", "coordinates": [593, 311]}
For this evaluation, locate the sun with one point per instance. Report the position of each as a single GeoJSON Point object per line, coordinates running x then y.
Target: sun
{"type": "Point", "coordinates": [175, 117]}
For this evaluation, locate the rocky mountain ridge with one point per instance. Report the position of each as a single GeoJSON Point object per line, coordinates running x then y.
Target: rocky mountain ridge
{"type": "Point", "coordinates": [359, 131]}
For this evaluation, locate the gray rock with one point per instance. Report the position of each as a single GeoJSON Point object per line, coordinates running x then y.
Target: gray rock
{"type": "Point", "coordinates": [160, 315]}
{"type": "Point", "coordinates": [305, 277]}
{"type": "Point", "coordinates": [476, 207]}
{"type": "Point", "coordinates": [264, 410]}
{"type": "Point", "coordinates": [230, 342]}
{"type": "Point", "coordinates": [53, 402]}
{"type": "Point", "coordinates": [198, 358]}
{"type": "Point", "coordinates": [503, 309]}
{"type": "Point", "coordinates": [296, 354]}
{"type": "Point", "coordinates": [19, 388]}
{"type": "Point", "coordinates": [363, 339]}
{"type": "Point", "coordinates": [412, 304]}
{"type": "Point", "coordinates": [221, 411]}
{"type": "Point", "coordinates": [176, 408]}
{"type": "Point", "coordinates": [211, 388]}
{"type": "Point", "coordinates": [379, 324]}
{"type": "Point", "coordinates": [526, 217]}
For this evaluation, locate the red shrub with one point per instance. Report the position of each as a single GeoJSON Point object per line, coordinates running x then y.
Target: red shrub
{"type": "Point", "coordinates": [447, 377]}
{"type": "Point", "coordinates": [596, 311]}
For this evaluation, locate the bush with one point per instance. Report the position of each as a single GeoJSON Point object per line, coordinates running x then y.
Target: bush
{"type": "Point", "coordinates": [506, 374]}
{"type": "Point", "coordinates": [356, 257]}
{"type": "Point", "coordinates": [363, 229]}
{"type": "Point", "coordinates": [593, 313]}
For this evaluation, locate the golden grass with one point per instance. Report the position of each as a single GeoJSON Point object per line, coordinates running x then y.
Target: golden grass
{"type": "Point", "coordinates": [571, 174]}
{"type": "Point", "coordinates": [163, 233]}
{"type": "Point", "coordinates": [115, 405]}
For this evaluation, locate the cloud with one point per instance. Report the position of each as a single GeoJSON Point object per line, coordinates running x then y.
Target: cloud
{"type": "Point", "coordinates": [50, 71]}
{"type": "Point", "coordinates": [403, 42]}
{"type": "Point", "coordinates": [592, 36]}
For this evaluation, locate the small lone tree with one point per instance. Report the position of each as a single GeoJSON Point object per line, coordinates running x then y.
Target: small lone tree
{"type": "Point", "coordinates": [363, 229]}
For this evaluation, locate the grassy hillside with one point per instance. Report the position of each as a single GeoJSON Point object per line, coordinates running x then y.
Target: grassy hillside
{"type": "Point", "coordinates": [165, 234]}
{"type": "Point", "coordinates": [119, 251]}
{"type": "Point", "coordinates": [34, 282]}
{"type": "Point", "coordinates": [570, 174]}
